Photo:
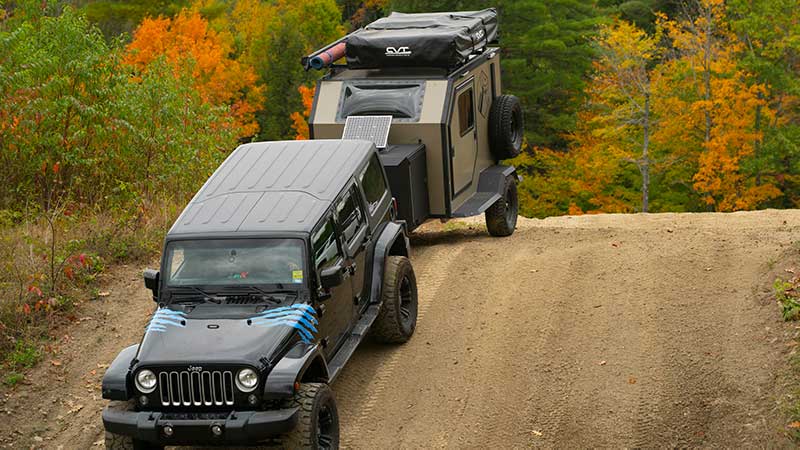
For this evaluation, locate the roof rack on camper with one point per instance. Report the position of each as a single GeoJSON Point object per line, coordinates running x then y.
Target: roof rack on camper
{"type": "Point", "coordinates": [442, 40]}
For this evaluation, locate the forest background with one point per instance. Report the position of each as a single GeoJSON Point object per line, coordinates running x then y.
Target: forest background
{"type": "Point", "coordinates": [113, 113]}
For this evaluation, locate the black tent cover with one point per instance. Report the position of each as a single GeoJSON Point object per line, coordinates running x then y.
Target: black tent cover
{"type": "Point", "coordinates": [443, 39]}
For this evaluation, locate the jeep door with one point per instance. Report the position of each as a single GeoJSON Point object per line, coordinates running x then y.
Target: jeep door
{"type": "Point", "coordinates": [355, 236]}
{"type": "Point", "coordinates": [463, 138]}
{"type": "Point", "coordinates": [336, 311]}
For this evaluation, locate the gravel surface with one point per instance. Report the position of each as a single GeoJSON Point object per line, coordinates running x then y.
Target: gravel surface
{"type": "Point", "coordinates": [593, 331]}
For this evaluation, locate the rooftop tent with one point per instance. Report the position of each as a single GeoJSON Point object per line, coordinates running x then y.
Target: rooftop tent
{"type": "Point", "coordinates": [421, 40]}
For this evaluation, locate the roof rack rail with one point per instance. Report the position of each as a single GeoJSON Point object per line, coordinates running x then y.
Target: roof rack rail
{"type": "Point", "coordinates": [326, 56]}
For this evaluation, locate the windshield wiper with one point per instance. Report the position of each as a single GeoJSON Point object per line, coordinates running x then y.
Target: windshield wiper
{"type": "Point", "coordinates": [253, 290]}
{"type": "Point", "coordinates": [204, 296]}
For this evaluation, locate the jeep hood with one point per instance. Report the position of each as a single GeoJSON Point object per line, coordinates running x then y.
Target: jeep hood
{"type": "Point", "coordinates": [222, 334]}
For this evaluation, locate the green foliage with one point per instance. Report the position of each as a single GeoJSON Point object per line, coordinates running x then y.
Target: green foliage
{"type": "Point", "coordinates": [787, 296]}
{"type": "Point", "coordinates": [24, 355]}
{"type": "Point", "coordinates": [76, 128]}
{"type": "Point", "coordinates": [284, 33]}
{"type": "Point", "coordinates": [115, 17]}
{"type": "Point", "coordinates": [547, 56]}
{"type": "Point", "coordinates": [12, 379]}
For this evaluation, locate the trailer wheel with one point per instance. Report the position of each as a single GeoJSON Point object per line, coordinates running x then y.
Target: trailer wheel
{"type": "Point", "coordinates": [501, 218]}
{"type": "Point", "coordinates": [318, 425]}
{"type": "Point", "coordinates": [397, 318]}
{"type": "Point", "coordinates": [506, 127]}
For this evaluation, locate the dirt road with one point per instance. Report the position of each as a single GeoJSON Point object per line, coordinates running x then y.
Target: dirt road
{"type": "Point", "coordinates": [605, 331]}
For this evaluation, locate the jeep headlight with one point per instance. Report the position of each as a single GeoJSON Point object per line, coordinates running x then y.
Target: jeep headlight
{"type": "Point", "coordinates": [146, 381]}
{"type": "Point", "coordinates": [246, 380]}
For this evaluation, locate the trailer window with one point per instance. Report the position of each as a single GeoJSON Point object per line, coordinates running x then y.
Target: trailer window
{"type": "Point", "coordinates": [373, 183]}
{"type": "Point", "coordinates": [466, 113]}
{"type": "Point", "coordinates": [401, 100]}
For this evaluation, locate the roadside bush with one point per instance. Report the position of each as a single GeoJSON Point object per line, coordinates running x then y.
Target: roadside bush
{"type": "Point", "coordinates": [788, 295]}
{"type": "Point", "coordinates": [96, 157]}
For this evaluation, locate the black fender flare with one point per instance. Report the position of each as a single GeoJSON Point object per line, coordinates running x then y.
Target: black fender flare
{"type": "Point", "coordinates": [115, 380]}
{"type": "Point", "coordinates": [299, 360]}
{"type": "Point", "coordinates": [392, 240]}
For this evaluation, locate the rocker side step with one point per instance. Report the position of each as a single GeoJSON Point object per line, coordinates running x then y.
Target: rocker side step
{"type": "Point", "coordinates": [351, 344]}
{"type": "Point", "coordinates": [477, 204]}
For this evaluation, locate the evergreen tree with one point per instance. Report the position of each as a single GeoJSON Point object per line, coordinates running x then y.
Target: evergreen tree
{"type": "Point", "coordinates": [547, 55]}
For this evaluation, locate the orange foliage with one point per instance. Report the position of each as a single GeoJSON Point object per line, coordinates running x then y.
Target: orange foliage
{"type": "Point", "coordinates": [719, 115]}
{"type": "Point", "coordinates": [300, 120]}
{"type": "Point", "coordinates": [190, 46]}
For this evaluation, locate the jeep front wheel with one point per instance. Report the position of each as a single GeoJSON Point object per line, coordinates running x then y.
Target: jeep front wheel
{"type": "Point", "coordinates": [501, 218]}
{"type": "Point", "coordinates": [397, 318]}
{"type": "Point", "coordinates": [318, 425]}
{"type": "Point", "coordinates": [120, 442]}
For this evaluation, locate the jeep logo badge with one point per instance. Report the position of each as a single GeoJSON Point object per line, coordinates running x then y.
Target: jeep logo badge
{"type": "Point", "coordinates": [398, 51]}
{"type": "Point", "coordinates": [195, 368]}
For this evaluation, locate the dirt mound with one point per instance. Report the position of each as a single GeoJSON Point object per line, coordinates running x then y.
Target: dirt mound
{"type": "Point", "coordinates": [602, 331]}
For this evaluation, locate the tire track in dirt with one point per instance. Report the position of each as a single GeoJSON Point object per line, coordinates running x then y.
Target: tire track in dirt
{"type": "Point", "coordinates": [430, 265]}
{"type": "Point", "coordinates": [604, 331]}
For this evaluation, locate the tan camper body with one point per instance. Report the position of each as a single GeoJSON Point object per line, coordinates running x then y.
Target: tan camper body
{"type": "Point", "coordinates": [452, 123]}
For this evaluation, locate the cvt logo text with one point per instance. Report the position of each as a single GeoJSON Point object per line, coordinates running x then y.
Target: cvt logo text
{"type": "Point", "coordinates": [398, 51]}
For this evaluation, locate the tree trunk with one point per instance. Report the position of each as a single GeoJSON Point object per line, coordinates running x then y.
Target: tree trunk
{"type": "Point", "coordinates": [645, 164]}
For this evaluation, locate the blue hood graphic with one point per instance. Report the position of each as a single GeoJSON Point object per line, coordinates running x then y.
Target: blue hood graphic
{"type": "Point", "coordinates": [299, 316]}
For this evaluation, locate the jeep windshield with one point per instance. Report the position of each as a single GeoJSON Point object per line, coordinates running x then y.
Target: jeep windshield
{"type": "Point", "coordinates": [217, 264]}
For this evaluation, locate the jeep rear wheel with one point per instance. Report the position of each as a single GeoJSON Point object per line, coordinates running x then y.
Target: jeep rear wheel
{"type": "Point", "coordinates": [318, 424]}
{"type": "Point", "coordinates": [506, 127]}
{"type": "Point", "coordinates": [501, 218]}
{"type": "Point", "coordinates": [397, 318]}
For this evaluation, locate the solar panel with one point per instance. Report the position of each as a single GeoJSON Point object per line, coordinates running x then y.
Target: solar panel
{"type": "Point", "coordinates": [368, 128]}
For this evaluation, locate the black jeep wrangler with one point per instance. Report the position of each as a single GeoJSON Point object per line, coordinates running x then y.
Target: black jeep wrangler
{"type": "Point", "coordinates": [270, 278]}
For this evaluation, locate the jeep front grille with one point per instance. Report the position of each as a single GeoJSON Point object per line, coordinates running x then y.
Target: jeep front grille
{"type": "Point", "coordinates": [206, 388]}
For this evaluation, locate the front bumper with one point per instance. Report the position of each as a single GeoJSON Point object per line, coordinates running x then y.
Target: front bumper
{"type": "Point", "coordinates": [237, 427]}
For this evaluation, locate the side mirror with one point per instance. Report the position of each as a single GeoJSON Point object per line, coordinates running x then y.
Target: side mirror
{"type": "Point", "coordinates": [151, 279]}
{"type": "Point", "coordinates": [331, 277]}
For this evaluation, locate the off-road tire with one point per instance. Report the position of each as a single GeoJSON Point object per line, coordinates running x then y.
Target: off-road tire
{"type": "Point", "coordinates": [397, 318]}
{"type": "Point", "coordinates": [122, 442]}
{"type": "Point", "coordinates": [317, 405]}
{"type": "Point", "coordinates": [501, 218]}
{"type": "Point", "coordinates": [506, 127]}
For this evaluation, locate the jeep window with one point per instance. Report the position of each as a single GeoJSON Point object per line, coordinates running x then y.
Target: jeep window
{"type": "Point", "coordinates": [350, 215]}
{"type": "Point", "coordinates": [219, 262]}
{"type": "Point", "coordinates": [401, 101]}
{"type": "Point", "coordinates": [466, 114]}
{"type": "Point", "coordinates": [373, 183]}
{"type": "Point", "coordinates": [326, 248]}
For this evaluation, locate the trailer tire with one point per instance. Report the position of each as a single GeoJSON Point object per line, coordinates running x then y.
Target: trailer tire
{"type": "Point", "coordinates": [501, 218]}
{"type": "Point", "coordinates": [506, 127]}
{"type": "Point", "coordinates": [397, 318]}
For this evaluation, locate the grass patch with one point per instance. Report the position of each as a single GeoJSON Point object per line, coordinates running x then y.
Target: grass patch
{"type": "Point", "coordinates": [25, 355]}
{"type": "Point", "coordinates": [13, 379]}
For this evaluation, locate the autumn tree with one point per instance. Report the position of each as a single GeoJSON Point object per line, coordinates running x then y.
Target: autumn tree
{"type": "Point", "coordinates": [713, 106]}
{"type": "Point", "coordinates": [189, 45]}
{"type": "Point", "coordinates": [769, 31]}
{"type": "Point", "coordinates": [300, 120]}
{"type": "Point", "coordinates": [272, 37]}
{"type": "Point", "coordinates": [623, 86]}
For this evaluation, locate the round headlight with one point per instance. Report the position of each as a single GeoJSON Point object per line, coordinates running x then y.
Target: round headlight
{"type": "Point", "coordinates": [146, 381]}
{"type": "Point", "coordinates": [246, 380]}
